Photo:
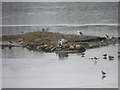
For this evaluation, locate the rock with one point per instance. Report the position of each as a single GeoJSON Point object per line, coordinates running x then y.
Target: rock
{"type": "Point", "coordinates": [45, 45]}
{"type": "Point", "coordinates": [38, 47]}
{"type": "Point", "coordinates": [53, 49]}
{"type": "Point", "coordinates": [94, 46]}
{"type": "Point", "coordinates": [77, 46]}
{"type": "Point", "coordinates": [66, 46]}
{"type": "Point", "coordinates": [47, 49]}
{"type": "Point", "coordinates": [85, 44]}
{"type": "Point", "coordinates": [65, 41]}
{"type": "Point", "coordinates": [72, 47]}
{"type": "Point", "coordinates": [20, 40]}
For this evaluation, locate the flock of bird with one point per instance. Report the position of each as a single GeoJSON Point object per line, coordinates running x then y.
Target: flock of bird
{"type": "Point", "coordinates": [105, 56]}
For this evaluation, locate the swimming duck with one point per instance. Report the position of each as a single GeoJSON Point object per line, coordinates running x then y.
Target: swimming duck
{"type": "Point", "coordinates": [103, 73]}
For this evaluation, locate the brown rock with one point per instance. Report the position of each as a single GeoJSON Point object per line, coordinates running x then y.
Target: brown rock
{"type": "Point", "coordinates": [77, 46]}
{"type": "Point", "coordinates": [72, 47]}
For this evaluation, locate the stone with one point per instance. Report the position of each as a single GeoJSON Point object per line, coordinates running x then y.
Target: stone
{"type": "Point", "coordinates": [77, 46]}
{"type": "Point", "coordinates": [72, 47]}
{"type": "Point", "coordinates": [53, 49]}
{"type": "Point", "coordinates": [66, 46]}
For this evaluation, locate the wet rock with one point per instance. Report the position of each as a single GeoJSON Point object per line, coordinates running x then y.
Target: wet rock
{"type": "Point", "coordinates": [85, 44]}
{"type": "Point", "coordinates": [65, 41]}
{"type": "Point", "coordinates": [94, 46]}
{"type": "Point", "coordinates": [53, 49]}
{"type": "Point", "coordinates": [20, 40]}
{"type": "Point", "coordinates": [77, 46]}
{"type": "Point", "coordinates": [72, 47]}
{"type": "Point", "coordinates": [66, 46]}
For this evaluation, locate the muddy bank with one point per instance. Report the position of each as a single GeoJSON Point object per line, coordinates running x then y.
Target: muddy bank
{"type": "Point", "coordinates": [49, 42]}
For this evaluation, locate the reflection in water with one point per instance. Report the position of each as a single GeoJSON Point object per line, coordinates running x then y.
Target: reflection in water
{"type": "Point", "coordinates": [37, 69]}
{"type": "Point", "coordinates": [82, 54]}
{"type": "Point", "coordinates": [103, 77]}
{"type": "Point", "coordinates": [95, 62]}
{"type": "Point", "coordinates": [62, 55]}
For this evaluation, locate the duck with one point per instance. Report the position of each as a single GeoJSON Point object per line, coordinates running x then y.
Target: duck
{"type": "Point", "coordinates": [111, 57]}
{"type": "Point", "coordinates": [103, 73]}
{"type": "Point", "coordinates": [104, 54]}
{"type": "Point", "coordinates": [96, 58]}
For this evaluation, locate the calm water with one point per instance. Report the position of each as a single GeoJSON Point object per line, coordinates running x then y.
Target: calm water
{"type": "Point", "coordinates": [24, 68]}
{"type": "Point", "coordinates": [90, 18]}
{"type": "Point", "coordinates": [59, 13]}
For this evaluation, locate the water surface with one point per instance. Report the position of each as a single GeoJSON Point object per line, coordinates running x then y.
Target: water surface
{"type": "Point", "coordinates": [24, 68]}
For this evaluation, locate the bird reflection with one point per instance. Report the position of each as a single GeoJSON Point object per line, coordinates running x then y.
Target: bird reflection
{"type": "Point", "coordinates": [103, 77]}
{"type": "Point", "coordinates": [82, 54]}
{"type": "Point", "coordinates": [62, 55]}
{"type": "Point", "coordinates": [95, 62]}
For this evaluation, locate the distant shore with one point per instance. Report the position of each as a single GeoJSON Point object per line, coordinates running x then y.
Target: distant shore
{"type": "Point", "coordinates": [48, 41]}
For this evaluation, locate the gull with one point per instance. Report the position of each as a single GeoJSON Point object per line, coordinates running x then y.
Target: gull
{"type": "Point", "coordinates": [103, 73]}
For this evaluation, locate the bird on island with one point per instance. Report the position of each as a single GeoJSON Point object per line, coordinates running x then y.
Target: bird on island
{"type": "Point", "coordinates": [103, 73]}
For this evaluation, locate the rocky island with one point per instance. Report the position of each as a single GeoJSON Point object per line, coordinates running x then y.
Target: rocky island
{"type": "Point", "coordinates": [49, 42]}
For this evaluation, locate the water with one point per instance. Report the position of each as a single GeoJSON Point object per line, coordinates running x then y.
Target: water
{"type": "Point", "coordinates": [93, 30]}
{"type": "Point", "coordinates": [24, 68]}
{"type": "Point", "coordinates": [59, 13]}
{"type": "Point", "coordinates": [27, 69]}
{"type": "Point", "coordinates": [68, 18]}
